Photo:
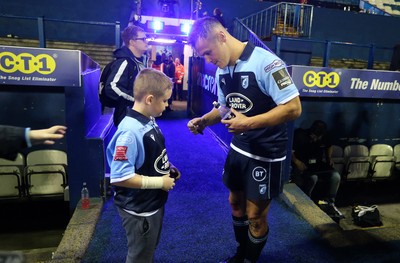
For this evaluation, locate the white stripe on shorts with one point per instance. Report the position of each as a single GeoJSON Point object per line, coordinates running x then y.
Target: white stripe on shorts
{"type": "Point", "coordinates": [256, 157]}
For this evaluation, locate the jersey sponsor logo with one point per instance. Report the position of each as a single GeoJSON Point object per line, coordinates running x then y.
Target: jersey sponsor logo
{"type": "Point", "coordinates": [321, 79]}
{"type": "Point", "coordinates": [262, 189]}
{"type": "Point", "coordinates": [259, 174]}
{"type": "Point", "coordinates": [161, 164]}
{"type": "Point", "coordinates": [120, 153]}
{"type": "Point", "coordinates": [27, 63]}
{"type": "Point", "coordinates": [282, 78]}
{"type": "Point", "coordinates": [125, 139]}
{"type": "Point", "coordinates": [275, 64]}
{"type": "Point", "coordinates": [239, 102]}
{"type": "Point", "coordinates": [245, 81]}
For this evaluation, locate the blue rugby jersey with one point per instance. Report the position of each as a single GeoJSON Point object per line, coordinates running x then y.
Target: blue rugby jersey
{"type": "Point", "coordinates": [256, 84]}
{"type": "Point", "coordinates": [138, 146]}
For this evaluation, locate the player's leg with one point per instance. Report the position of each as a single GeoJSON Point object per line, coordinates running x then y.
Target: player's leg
{"type": "Point", "coordinates": [237, 201]}
{"type": "Point", "coordinates": [264, 183]}
{"type": "Point", "coordinates": [257, 211]}
{"type": "Point", "coordinates": [233, 181]}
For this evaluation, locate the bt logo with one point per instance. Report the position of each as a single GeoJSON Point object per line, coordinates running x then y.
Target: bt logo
{"type": "Point", "coordinates": [27, 63]}
{"type": "Point", "coordinates": [260, 174]}
{"type": "Point", "coordinates": [321, 79]}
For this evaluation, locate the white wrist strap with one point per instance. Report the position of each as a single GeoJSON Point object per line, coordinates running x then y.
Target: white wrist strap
{"type": "Point", "coordinates": [148, 182]}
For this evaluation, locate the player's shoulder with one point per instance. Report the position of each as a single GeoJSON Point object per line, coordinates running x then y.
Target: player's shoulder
{"type": "Point", "coordinates": [267, 59]}
{"type": "Point", "coordinates": [264, 54]}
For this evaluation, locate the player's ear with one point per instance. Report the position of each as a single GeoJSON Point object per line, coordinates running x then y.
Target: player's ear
{"type": "Point", "coordinates": [221, 36]}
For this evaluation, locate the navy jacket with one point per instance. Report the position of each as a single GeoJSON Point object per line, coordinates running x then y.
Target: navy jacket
{"type": "Point", "coordinates": [119, 84]}
{"type": "Point", "coordinates": [12, 140]}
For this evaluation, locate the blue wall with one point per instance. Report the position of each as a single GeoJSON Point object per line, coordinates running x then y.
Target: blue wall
{"type": "Point", "coordinates": [354, 121]}
{"type": "Point", "coordinates": [333, 24]}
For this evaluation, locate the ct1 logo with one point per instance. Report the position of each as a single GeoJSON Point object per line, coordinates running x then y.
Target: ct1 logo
{"type": "Point", "coordinates": [321, 79]}
{"type": "Point", "coordinates": [27, 63]}
{"type": "Point", "coordinates": [259, 174]}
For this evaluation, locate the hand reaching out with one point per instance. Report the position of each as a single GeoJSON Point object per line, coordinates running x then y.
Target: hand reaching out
{"type": "Point", "coordinates": [47, 136]}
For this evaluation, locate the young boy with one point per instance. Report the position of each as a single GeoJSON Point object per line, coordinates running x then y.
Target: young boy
{"type": "Point", "coordinates": [140, 170]}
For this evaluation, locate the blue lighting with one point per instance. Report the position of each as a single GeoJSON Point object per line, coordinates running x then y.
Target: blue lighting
{"type": "Point", "coordinates": [156, 25]}
{"type": "Point", "coordinates": [185, 28]}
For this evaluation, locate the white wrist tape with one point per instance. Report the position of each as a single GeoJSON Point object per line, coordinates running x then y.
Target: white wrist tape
{"type": "Point", "coordinates": [150, 182]}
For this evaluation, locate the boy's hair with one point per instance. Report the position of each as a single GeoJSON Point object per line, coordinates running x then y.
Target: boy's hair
{"type": "Point", "coordinates": [130, 32]}
{"type": "Point", "coordinates": [151, 81]}
{"type": "Point", "coordinates": [202, 28]}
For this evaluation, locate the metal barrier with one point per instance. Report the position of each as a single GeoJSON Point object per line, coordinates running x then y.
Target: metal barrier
{"type": "Point", "coordinates": [249, 32]}
{"type": "Point", "coordinates": [328, 45]}
{"type": "Point", "coordinates": [286, 19]}
{"type": "Point", "coordinates": [51, 25]}
{"type": "Point", "coordinates": [243, 33]}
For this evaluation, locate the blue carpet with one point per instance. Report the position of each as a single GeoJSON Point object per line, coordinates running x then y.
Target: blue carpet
{"type": "Point", "coordinates": [197, 224]}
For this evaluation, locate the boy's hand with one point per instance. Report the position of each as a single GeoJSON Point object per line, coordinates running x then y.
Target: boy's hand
{"type": "Point", "coordinates": [168, 183]}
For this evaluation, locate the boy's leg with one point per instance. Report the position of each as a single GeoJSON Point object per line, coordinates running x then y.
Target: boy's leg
{"type": "Point", "coordinates": [143, 234]}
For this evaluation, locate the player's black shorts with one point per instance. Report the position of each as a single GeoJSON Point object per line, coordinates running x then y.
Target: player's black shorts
{"type": "Point", "coordinates": [258, 179]}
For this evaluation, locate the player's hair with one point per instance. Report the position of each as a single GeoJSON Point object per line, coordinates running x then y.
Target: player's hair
{"type": "Point", "coordinates": [151, 81]}
{"type": "Point", "coordinates": [130, 32]}
{"type": "Point", "coordinates": [202, 28]}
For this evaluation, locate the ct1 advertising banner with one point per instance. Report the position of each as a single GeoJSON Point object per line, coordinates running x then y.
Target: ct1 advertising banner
{"type": "Point", "coordinates": [347, 83]}
{"type": "Point", "coordinates": [39, 66]}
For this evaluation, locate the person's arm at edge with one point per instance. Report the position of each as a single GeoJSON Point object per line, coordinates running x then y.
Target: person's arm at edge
{"type": "Point", "coordinates": [46, 136]}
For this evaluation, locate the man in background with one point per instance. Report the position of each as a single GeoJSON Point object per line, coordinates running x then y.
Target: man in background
{"type": "Point", "coordinates": [179, 74]}
{"type": "Point", "coordinates": [129, 61]}
{"type": "Point", "coordinates": [168, 67]}
{"type": "Point", "coordinates": [313, 166]}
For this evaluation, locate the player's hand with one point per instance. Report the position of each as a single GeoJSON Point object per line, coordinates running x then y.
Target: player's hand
{"type": "Point", "coordinates": [236, 124]}
{"type": "Point", "coordinates": [168, 183]}
{"type": "Point", "coordinates": [174, 173]}
{"type": "Point", "coordinates": [196, 126]}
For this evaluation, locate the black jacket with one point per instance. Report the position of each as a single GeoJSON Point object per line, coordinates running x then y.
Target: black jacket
{"type": "Point", "coordinates": [12, 140]}
{"type": "Point", "coordinates": [121, 78]}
